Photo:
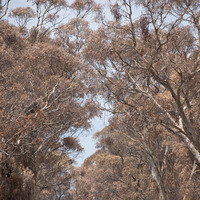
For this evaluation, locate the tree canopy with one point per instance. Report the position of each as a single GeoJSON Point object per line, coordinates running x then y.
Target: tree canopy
{"type": "Point", "coordinates": [54, 68]}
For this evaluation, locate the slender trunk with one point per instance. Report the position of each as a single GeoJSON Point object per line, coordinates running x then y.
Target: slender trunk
{"type": "Point", "coordinates": [157, 177]}
{"type": "Point", "coordinates": [195, 152]}
{"type": "Point", "coordinates": [162, 192]}
{"type": "Point", "coordinates": [191, 145]}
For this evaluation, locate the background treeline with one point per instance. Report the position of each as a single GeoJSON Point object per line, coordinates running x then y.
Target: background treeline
{"type": "Point", "coordinates": [146, 68]}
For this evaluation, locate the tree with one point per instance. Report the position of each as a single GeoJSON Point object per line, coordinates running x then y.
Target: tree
{"type": "Point", "coordinates": [149, 71]}
{"type": "Point", "coordinates": [153, 57]}
{"type": "Point", "coordinates": [151, 164]}
{"type": "Point", "coordinates": [146, 68]}
{"type": "Point", "coordinates": [4, 5]}
{"type": "Point", "coordinates": [45, 101]}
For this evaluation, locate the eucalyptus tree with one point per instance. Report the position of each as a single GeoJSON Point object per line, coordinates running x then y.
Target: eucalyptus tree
{"type": "Point", "coordinates": [149, 69]}
{"type": "Point", "coordinates": [45, 101]}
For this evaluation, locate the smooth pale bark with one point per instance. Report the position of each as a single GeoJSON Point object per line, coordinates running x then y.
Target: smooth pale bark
{"type": "Point", "coordinates": [190, 146]}
{"type": "Point", "coordinates": [181, 134]}
{"type": "Point", "coordinates": [157, 177]}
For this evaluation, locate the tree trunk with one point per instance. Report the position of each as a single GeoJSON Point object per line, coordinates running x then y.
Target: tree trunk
{"type": "Point", "coordinates": [195, 152]}
{"type": "Point", "coordinates": [157, 177]}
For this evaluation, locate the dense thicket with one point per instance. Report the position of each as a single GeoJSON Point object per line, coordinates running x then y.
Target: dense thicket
{"type": "Point", "coordinates": [150, 72]}
{"type": "Point", "coordinates": [147, 70]}
{"type": "Point", "coordinates": [45, 99]}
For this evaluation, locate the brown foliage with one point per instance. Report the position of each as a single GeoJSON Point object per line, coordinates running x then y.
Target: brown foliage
{"type": "Point", "coordinates": [44, 97]}
{"type": "Point", "coordinates": [149, 71]}
{"type": "Point", "coordinates": [72, 144]}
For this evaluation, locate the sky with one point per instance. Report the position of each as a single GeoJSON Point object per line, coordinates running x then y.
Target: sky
{"type": "Point", "coordinates": [86, 138]}
{"type": "Point", "coordinates": [23, 3]}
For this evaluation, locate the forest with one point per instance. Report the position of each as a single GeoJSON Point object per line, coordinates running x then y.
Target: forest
{"type": "Point", "coordinates": [63, 63]}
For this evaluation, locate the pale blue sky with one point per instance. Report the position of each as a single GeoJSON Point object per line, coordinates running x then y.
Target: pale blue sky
{"type": "Point", "coordinates": [87, 140]}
